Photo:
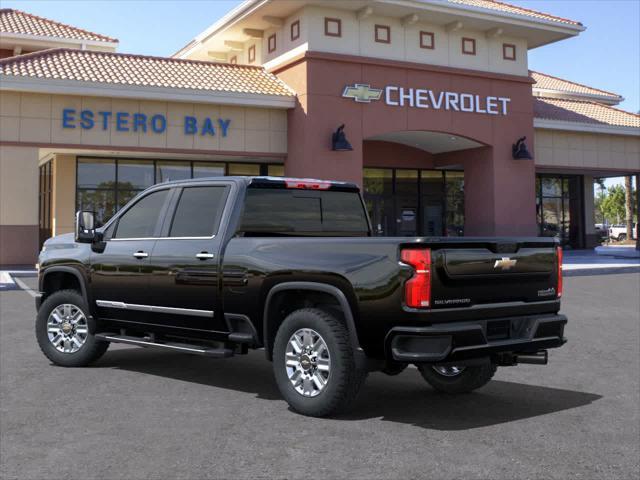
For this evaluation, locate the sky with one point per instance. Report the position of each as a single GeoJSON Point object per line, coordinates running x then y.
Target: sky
{"type": "Point", "coordinates": [605, 56]}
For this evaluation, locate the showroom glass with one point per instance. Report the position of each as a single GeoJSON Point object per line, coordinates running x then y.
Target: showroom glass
{"type": "Point", "coordinates": [170, 171]}
{"type": "Point", "coordinates": [432, 207]}
{"type": "Point", "coordinates": [202, 169]}
{"type": "Point", "coordinates": [44, 202]}
{"type": "Point", "coordinates": [141, 219]}
{"type": "Point", "coordinates": [454, 186]}
{"type": "Point", "coordinates": [378, 197]}
{"type": "Point", "coordinates": [96, 187]}
{"type": "Point", "coordinates": [405, 202]}
{"type": "Point", "coordinates": [556, 197]}
{"type": "Point", "coordinates": [104, 185]}
{"type": "Point", "coordinates": [243, 169]}
{"type": "Point", "coordinates": [198, 212]}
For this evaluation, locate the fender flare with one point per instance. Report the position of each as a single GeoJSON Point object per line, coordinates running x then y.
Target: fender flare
{"type": "Point", "coordinates": [316, 287]}
{"type": "Point", "coordinates": [73, 271]}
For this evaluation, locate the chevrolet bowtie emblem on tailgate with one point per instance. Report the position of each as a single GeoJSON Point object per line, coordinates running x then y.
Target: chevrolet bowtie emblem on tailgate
{"type": "Point", "coordinates": [505, 263]}
{"type": "Point", "coordinates": [362, 93]}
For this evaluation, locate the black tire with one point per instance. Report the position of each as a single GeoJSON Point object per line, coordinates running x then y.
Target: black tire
{"type": "Point", "coordinates": [91, 349]}
{"type": "Point", "coordinates": [469, 379]}
{"type": "Point", "coordinates": [345, 378]}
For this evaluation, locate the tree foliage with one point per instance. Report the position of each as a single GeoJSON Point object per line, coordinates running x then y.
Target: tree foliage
{"type": "Point", "coordinates": [610, 205]}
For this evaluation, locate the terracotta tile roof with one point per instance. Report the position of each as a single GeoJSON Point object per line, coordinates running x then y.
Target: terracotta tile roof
{"type": "Point", "coordinates": [548, 82]}
{"type": "Point", "coordinates": [515, 10]}
{"type": "Point", "coordinates": [16, 21]}
{"type": "Point", "coordinates": [143, 71]}
{"type": "Point", "coordinates": [583, 112]}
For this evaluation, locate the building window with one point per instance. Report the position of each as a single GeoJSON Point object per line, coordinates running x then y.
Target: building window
{"type": "Point", "coordinates": [406, 202]}
{"type": "Point", "coordinates": [427, 40]}
{"type": "Point", "coordinates": [295, 30]}
{"type": "Point", "coordinates": [44, 202]}
{"type": "Point", "coordinates": [271, 43]}
{"type": "Point", "coordinates": [383, 34]}
{"type": "Point", "coordinates": [252, 54]}
{"type": "Point", "coordinates": [233, 60]}
{"type": "Point", "coordinates": [104, 185]}
{"type": "Point", "coordinates": [508, 51]}
{"type": "Point", "coordinates": [468, 46]}
{"type": "Point", "coordinates": [332, 27]}
{"type": "Point", "coordinates": [559, 207]}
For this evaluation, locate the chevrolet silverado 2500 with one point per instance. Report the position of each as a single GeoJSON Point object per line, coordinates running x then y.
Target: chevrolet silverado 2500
{"type": "Point", "coordinates": [220, 266]}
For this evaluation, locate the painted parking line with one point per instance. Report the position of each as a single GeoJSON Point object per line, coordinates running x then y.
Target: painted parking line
{"type": "Point", "coordinates": [9, 280]}
{"type": "Point", "coordinates": [6, 282]}
{"type": "Point", "coordinates": [25, 287]}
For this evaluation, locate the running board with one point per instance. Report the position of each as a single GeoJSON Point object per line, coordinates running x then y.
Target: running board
{"type": "Point", "coordinates": [179, 347]}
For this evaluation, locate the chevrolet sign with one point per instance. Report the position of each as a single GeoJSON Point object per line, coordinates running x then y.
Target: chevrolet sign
{"type": "Point", "coordinates": [424, 98]}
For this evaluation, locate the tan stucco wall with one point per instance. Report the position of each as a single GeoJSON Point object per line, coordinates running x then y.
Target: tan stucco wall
{"type": "Point", "coordinates": [18, 205]}
{"type": "Point", "coordinates": [37, 118]}
{"type": "Point", "coordinates": [63, 196]}
{"type": "Point", "coordinates": [554, 148]}
{"type": "Point", "coordinates": [18, 185]}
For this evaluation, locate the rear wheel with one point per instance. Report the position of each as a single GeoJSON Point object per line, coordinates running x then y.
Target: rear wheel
{"type": "Point", "coordinates": [64, 330]}
{"type": "Point", "coordinates": [314, 363]}
{"type": "Point", "coordinates": [457, 379]}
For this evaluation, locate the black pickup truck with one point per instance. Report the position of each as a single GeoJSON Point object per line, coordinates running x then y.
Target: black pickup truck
{"type": "Point", "coordinates": [219, 266]}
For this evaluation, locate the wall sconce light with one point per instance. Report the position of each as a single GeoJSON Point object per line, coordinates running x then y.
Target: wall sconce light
{"type": "Point", "coordinates": [519, 150]}
{"type": "Point", "coordinates": [339, 142]}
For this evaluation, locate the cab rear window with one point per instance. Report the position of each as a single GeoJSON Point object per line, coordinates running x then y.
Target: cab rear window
{"type": "Point", "coordinates": [302, 212]}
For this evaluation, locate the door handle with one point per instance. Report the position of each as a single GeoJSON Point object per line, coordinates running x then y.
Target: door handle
{"type": "Point", "coordinates": [141, 254]}
{"type": "Point", "coordinates": [204, 255]}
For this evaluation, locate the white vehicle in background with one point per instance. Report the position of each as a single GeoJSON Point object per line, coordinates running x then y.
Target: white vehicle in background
{"type": "Point", "coordinates": [619, 232]}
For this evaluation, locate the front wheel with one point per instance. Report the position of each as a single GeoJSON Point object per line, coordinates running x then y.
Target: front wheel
{"type": "Point", "coordinates": [64, 330]}
{"type": "Point", "coordinates": [314, 363]}
{"type": "Point", "coordinates": [457, 379]}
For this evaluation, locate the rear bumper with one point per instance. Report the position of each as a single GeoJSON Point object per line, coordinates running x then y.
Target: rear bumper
{"type": "Point", "coordinates": [476, 339]}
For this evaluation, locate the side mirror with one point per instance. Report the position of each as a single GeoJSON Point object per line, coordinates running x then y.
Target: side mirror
{"type": "Point", "coordinates": [85, 227]}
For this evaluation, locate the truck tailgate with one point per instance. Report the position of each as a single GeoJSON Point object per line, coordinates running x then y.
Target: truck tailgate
{"type": "Point", "coordinates": [466, 274]}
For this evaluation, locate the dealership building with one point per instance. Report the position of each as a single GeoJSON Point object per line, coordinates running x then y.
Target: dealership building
{"type": "Point", "coordinates": [434, 96]}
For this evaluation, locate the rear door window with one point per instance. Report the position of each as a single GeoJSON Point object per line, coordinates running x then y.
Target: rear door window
{"type": "Point", "coordinates": [198, 211]}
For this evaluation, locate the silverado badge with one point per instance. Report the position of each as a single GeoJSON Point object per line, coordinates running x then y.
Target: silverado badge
{"type": "Point", "coordinates": [505, 263]}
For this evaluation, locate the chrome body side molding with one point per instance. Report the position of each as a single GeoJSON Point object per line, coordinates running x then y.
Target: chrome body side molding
{"type": "Point", "coordinates": [154, 308]}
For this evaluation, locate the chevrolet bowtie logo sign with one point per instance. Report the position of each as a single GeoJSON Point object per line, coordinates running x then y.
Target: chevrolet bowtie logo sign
{"type": "Point", "coordinates": [362, 93]}
{"type": "Point", "coordinates": [505, 263]}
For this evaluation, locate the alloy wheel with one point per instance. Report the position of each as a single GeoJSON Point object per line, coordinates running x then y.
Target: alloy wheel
{"type": "Point", "coordinates": [67, 328]}
{"type": "Point", "coordinates": [307, 362]}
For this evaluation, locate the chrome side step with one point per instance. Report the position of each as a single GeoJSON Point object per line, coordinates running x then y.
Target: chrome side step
{"type": "Point", "coordinates": [180, 347]}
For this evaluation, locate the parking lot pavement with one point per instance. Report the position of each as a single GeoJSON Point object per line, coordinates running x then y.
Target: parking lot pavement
{"type": "Point", "coordinates": [149, 414]}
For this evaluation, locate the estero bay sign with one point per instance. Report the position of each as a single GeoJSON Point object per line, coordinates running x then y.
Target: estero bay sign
{"type": "Point", "coordinates": [140, 122]}
{"type": "Point", "coordinates": [425, 98]}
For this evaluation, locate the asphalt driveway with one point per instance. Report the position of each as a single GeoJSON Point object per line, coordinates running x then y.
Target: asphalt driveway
{"type": "Point", "coordinates": [153, 414]}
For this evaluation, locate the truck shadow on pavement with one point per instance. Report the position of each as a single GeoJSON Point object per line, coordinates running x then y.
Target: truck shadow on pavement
{"type": "Point", "coordinates": [405, 398]}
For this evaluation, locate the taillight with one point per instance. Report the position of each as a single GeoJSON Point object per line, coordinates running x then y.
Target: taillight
{"type": "Point", "coordinates": [417, 290]}
{"type": "Point", "coordinates": [559, 255]}
{"type": "Point", "coordinates": [308, 184]}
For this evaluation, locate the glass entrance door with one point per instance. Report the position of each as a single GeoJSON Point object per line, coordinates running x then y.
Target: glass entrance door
{"type": "Point", "coordinates": [408, 202]}
{"type": "Point", "coordinates": [559, 208]}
